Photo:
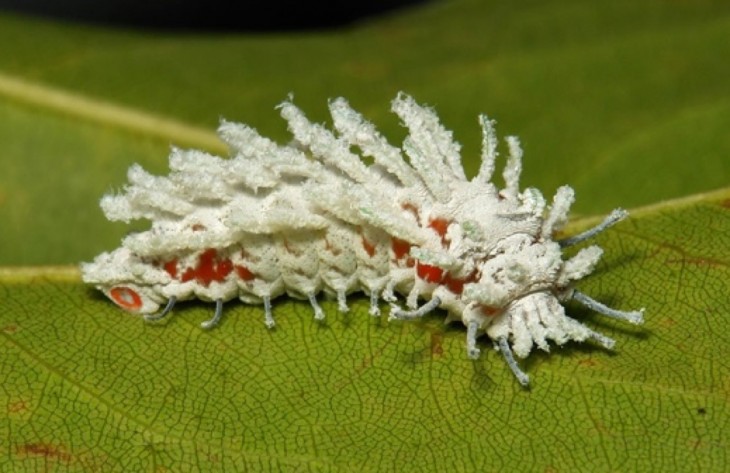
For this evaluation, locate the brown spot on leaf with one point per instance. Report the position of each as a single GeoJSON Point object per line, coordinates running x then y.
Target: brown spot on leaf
{"type": "Point", "coordinates": [46, 450]}
{"type": "Point", "coordinates": [437, 347]}
{"type": "Point", "coordinates": [725, 203]}
{"type": "Point", "coordinates": [667, 322]}
{"type": "Point", "coordinates": [10, 329]}
{"type": "Point", "coordinates": [17, 407]}
{"type": "Point", "coordinates": [588, 363]}
{"type": "Point", "coordinates": [695, 261]}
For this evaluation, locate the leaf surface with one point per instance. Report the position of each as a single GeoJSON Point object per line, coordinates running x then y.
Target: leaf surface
{"type": "Point", "coordinates": [626, 101]}
{"type": "Point", "coordinates": [88, 387]}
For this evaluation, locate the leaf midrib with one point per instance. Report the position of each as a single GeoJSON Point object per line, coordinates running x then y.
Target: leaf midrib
{"type": "Point", "coordinates": [107, 113]}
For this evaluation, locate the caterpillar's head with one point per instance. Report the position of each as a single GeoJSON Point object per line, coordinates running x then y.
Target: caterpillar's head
{"type": "Point", "coordinates": [127, 280]}
{"type": "Point", "coordinates": [512, 256]}
{"type": "Point", "coordinates": [521, 266]}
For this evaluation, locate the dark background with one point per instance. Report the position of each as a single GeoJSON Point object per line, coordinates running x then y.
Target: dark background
{"type": "Point", "coordinates": [210, 15]}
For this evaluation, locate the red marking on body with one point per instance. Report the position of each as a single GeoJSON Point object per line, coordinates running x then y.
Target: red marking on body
{"type": "Point", "coordinates": [456, 285]}
{"type": "Point", "coordinates": [368, 247]}
{"type": "Point", "coordinates": [490, 311]}
{"type": "Point", "coordinates": [197, 227]}
{"type": "Point", "coordinates": [171, 267]}
{"type": "Point", "coordinates": [440, 226]}
{"type": "Point", "coordinates": [126, 298]}
{"type": "Point", "coordinates": [244, 273]}
{"type": "Point", "coordinates": [209, 268]}
{"type": "Point", "coordinates": [428, 273]}
{"type": "Point", "coordinates": [411, 208]}
{"type": "Point", "coordinates": [400, 248]}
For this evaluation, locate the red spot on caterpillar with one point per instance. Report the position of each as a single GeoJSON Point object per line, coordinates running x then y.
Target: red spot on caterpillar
{"type": "Point", "coordinates": [171, 267]}
{"type": "Point", "coordinates": [490, 311]}
{"type": "Point", "coordinates": [209, 268]}
{"type": "Point", "coordinates": [456, 285]}
{"type": "Point", "coordinates": [244, 273]}
{"type": "Point", "coordinates": [125, 298]}
{"type": "Point", "coordinates": [429, 273]}
{"type": "Point", "coordinates": [440, 225]}
{"type": "Point", "coordinates": [411, 208]}
{"type": "Point", "coordinates": [368, 246]}
{"type": "Point", "coordinates": [400, 248]}
{"type": "Point", "coordinates": [197, 227]}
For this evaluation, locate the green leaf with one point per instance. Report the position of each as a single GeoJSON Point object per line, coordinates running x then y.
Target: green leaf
{"type": "Point", "coordinates": [88, 387]}
{"type": "Point", "coordinates": [626, 101]}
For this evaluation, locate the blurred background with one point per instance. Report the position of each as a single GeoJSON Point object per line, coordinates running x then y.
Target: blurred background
{"type": "Point", "coordinates": [626, 101]}
{"type": "Point", "coordinates": [211, 15]}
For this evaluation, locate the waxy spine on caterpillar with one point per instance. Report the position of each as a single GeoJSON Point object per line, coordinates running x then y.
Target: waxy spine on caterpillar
{"type": "Point", "coordinates": [312, 217]}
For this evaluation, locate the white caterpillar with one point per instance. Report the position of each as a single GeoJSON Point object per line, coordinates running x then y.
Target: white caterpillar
{"type": "Point", "coordinates": [312, 216]}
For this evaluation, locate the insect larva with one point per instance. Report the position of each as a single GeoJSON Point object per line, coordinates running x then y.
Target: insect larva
{"type": "Point", "coordinates": [312, 217]}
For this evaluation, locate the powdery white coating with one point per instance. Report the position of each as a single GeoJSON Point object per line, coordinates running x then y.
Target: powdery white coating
{"type": "Point", "coordinates": [312, 217]}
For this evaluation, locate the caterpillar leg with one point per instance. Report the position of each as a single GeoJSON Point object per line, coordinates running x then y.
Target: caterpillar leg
{"type": "Point", "coordinates": [471, 340]}
{"type": "Point", "coordinates": [511, 362]}
{"type": "Point", "coordinates": [412, 299]}
{"type": "Point", "coordinates": [208, 324]}
{"type": "Point", "coordinates": [634, 317]}
{"type": "Point", "coordinates": [374, 309]}
{"type": "Point", "coordinates": [388, 292]}
{"type": "Point", "coordinates": [268, 317]}
{"type": "Point", "coordinates": [170, 304]}
{"type": "Point", "coordinates": [342, 301]}
{"type": "Point", "coordinates": [318, 313]}
{"type": "Point", "coordinates": [398, 313]}
{"type": "Point", "coordinates": [613, 218]}
{"type": "Point", "coordinates": [606, 342]}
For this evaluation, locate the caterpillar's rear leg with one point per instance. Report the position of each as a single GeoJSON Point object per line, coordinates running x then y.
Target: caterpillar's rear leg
{"type": "Point", "coordinates": [170, 304]}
